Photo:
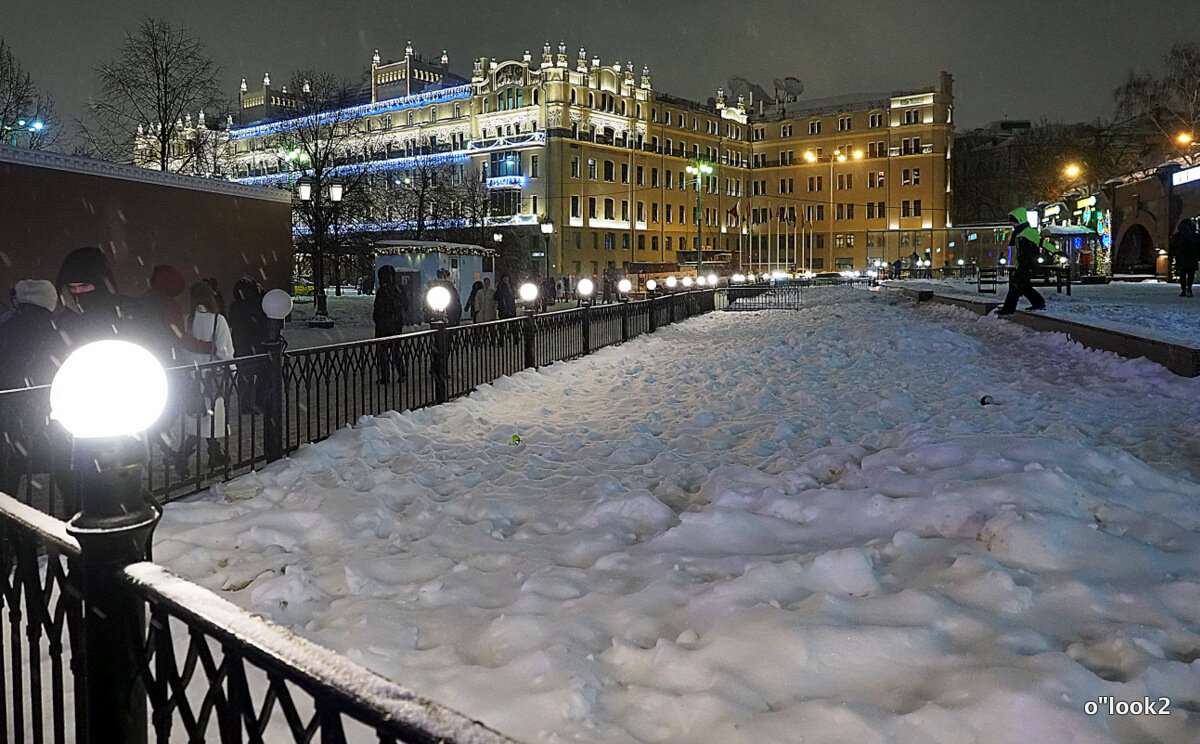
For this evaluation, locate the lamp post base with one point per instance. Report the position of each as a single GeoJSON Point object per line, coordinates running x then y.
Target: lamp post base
{"type": "Point", "coordinates": [320, 320]}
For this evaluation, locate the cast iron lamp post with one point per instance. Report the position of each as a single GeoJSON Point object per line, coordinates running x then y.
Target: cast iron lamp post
{"type": "Point", "coordinates": [107, 394]}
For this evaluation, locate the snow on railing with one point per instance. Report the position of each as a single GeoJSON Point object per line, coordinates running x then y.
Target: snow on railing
{"type": "Point", "coordinates": [353, 690]}
{"type": "Point", "coordinates": [51, 530]}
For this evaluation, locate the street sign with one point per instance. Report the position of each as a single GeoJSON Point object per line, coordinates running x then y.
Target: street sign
{"type": "Point", "coordinates": [539, 254]}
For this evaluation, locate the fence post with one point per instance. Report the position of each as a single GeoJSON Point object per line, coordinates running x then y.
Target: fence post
{"type": "Point", "coordinates": [114, 527]}
{"type": "Point", "coordinates": [653, 313]}
{"type": "Point", "coordinates": [624, 320]}
{"type": "Point", "coordinates": [530, 328]}
{"type": "Point", "coordinates": [441, 360]}
{"type": "Point", "coordinates": [587, 326]}
{"type": "Point", "coordinates": [273, 416]}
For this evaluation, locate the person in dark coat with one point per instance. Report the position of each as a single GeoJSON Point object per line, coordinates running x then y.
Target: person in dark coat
{"type": "Point", "coordinates": [31, 349]}
{"type": "Point", "coordinates": [248, 325]}
{"type": "Point", "coordinates": [247, 321]}
{"type": "Point", "coordinates": [506, 301]}
{"type": "Point", "coordinates": [473, 302]}
{"type": "Point", "coordinates": [1025, 239]}
{"type": "Point", "coordinates": [88, 292]}
{"type": "Point", "coordinates": [30, 342]}
{"type": "Point", "coordinates": [388, 314]}
{"type": "Point", "coordinates": [160, 320]}
{"type": "Point", "coordinates": [1183, 252]}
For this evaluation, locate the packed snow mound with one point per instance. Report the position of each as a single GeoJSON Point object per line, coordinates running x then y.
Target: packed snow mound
{"type": "Point", "coordinates": [747, 528]}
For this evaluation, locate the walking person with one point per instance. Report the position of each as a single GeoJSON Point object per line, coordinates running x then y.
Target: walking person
{"type": "Point", "coordinates": [1183, 253]}
{"type": "Point", "coordinates": [248, 326]}
{"type": "Point", "coordinates": [388, 314]}
{"type": "Point", "coordinates": [486, 301]}
{"type": "Point", "coordinates": [506, 301]}
{"type": "Point", "coordinates": [472, 305]}
{"type": "Point", "coordinates": [1025, 240]}
{"type": "Point", "coordinates": [207, 417]}
{"type": "Point", "coordinates": [32, 349]}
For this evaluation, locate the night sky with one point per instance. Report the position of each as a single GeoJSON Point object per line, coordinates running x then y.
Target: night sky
{"type": "Point", "coordinates": [1010, 58]}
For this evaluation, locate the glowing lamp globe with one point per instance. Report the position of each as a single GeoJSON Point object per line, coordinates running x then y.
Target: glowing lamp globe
{"type": "Point", "coordinates": [712, 280]}
{"type": "Point", "coordinates": [750, 277]}
{"type": "Point", "coordinates": [687, 282]}
{"type": "Point", "coordinates": [108, 389]}
{"type": "Point", "coordinates": [277, 304]}
{"type": "Point", "coordinates": [671, 282]}
{"type": "Point", "coordinates": [739, 278]}
{"type": "Point", "coordinates": [438, 298]}
{"type": "Point", "coordinates": [624, 286]}
{"type": "Point", "coordinates": [651, 285]}
{"type": "Point", "coordinates": [528, 292]}
{"type": "Point", "coordinates": [585, 287]}
{"type": "Point", "coordinates": [961, 262]}
{"type": "Point", "coordinates": [1003, 261]}
{"type": "Point", "coordinates": [701, 281]}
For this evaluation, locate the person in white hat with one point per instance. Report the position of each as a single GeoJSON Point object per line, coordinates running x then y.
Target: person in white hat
{"type": "Point", "coordinates": [30, 346]}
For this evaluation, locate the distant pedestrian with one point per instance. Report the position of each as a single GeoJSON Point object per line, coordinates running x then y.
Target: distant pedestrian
{"type": "Point", "coordinates": [1025, 239]}
{"type": "Point", "coordinates": [472, 306]}
{"type": "Point", "coordinates": [486, 301]}
{"type": "Point", "coordinates": [1183, 253]}
{"type": "Point", "coordinates": [506, 301]}
{"type": "Point", "coordinates": [390, 301]}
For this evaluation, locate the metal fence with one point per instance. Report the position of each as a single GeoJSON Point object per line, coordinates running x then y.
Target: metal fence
{"type": "Point", "coordinates": [78, 659]}
{"type": "Point", "coordinates": [765, 297]}
{"type": "Point", "coordinates": [227, 418]}
{"type": "Point", "coordinates": [201, 669]}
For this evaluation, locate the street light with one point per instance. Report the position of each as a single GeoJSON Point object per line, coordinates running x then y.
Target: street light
{"type": "Point", "coordinates": [624, 286]}
{"type": "Point", "coordinates": [671, 282]}
{"type": "Point", "coordinates": [687, 282]}
{"type": "Point", "coordinates": [701, 281]}
{"type": "Point", "coordinates": [438, 299]}
{"type": "Point", "coordinates": [712, 280]}
{"type": "Point", "coordinates": [107, 394]}
{"type": "Point", "coordinates": [651, 285]}
{"type": "Point", "coordinates": [319, 223]}
{"type": "Point", "coordinates": [584, 289]}
{"type": "Point", "coordinates": [1071, 170]}
{"type": "Point", "coordinates": [529, 294]}
{"type": "Point", "coordinates": [699, 169]}
{"type": "Point", "coordinates": [1184, 138]}
{"type": "Point", "coordinates": [547, 231]}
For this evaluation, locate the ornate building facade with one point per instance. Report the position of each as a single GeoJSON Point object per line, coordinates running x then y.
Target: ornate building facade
{"type": "Point", "coordinates": [595, 150]}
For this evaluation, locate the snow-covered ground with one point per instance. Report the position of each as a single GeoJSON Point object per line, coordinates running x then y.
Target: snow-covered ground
{"type": "Point", "coordinates": [746, 528]}
{"type": "Point", "coordinates": [1152, 309]}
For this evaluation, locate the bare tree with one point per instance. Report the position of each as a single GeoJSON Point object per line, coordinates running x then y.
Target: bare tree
{"type": "Point", "coordinates": [1167, 106]}
{"type": "Point", "coordinates": [331, 146]}
{"type": "Point", "coordinates": [27, 115]}
{"type": "Point", "coordinates": [161, 75]}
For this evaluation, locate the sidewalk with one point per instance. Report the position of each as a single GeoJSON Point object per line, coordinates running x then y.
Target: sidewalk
{"type": "Point", "coordinates": [1146, 319]}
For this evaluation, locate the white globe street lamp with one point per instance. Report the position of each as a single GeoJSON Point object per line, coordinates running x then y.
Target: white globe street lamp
{"type": "Point", "coordinates": [108, 389]}
{"type": "Point", "coordinates": [651, 285]}
{"type": "Point", "coordinates": [687, 282]}
{"type": "Point", "coordinates": [671, 282]}
{"type": "Point", "coordinates": [624, 286]}
{"type": "Point", "coordinates": [529, 293]}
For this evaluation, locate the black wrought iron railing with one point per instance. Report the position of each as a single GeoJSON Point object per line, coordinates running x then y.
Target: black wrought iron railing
{"type": "Point", "coordinates": [765, 297]}
{"type": "Point", "coordinates": [227, 418]}
{"type": "Point", "coordinates": [204, 669]}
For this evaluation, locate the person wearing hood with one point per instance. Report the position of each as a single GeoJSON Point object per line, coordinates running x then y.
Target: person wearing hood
{"type": "Point", "coordinates": [388, 314]}
{"type": "Point", "coordinates": [30, 342]}
{"type": "Point", "coordinates": [161, 321]}
{"type": "Point", "coordinates": [248, 326]}
{"type": "Point", "coordinates": [1183, 251]}
{"type": "Point", "coordinates": [88, 292]}
{"type": "Point", "coordinates": [1025, 240]}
